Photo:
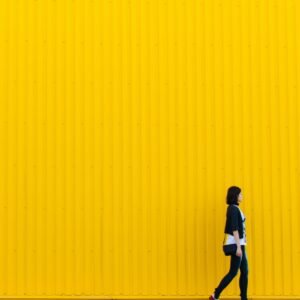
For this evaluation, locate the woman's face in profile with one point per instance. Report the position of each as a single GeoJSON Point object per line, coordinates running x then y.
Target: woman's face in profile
{"type": "Point", "coordinates": [240, 197]}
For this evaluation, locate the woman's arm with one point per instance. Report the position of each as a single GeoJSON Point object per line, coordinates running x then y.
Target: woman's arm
{"type": "Point", "coordinates": [237, 240]}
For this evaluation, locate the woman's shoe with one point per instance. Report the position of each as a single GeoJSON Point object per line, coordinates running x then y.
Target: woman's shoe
{"type": "Point", "coordinates": [212, 297]}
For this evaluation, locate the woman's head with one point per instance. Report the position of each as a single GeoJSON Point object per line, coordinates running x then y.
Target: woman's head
{"type": "Point", "coordinates": [234, 195]}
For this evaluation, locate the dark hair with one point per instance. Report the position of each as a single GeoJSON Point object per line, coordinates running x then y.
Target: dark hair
{"type": "Point", "coordinates": [232, 195]}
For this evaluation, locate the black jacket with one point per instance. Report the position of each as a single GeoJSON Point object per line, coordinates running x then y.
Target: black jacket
{"type": "Point", "coordinates": [234, 221]}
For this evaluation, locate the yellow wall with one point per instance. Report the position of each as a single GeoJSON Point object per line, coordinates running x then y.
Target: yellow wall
{"type": "Point", "coordinates": [122, 125]}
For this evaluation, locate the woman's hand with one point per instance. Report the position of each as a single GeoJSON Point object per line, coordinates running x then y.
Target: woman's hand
{"type": "Point", "coordinates": [239, 252]}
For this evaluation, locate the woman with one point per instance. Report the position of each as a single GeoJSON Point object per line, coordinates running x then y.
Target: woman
{"type": "Point", "coordinates": [235, 234]}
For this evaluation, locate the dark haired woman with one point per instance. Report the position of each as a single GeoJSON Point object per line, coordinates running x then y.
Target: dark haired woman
{"type": "Point", "coordinates": [235, 234]}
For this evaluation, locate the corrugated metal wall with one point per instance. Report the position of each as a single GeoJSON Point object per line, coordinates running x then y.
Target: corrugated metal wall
{"type": "Point", "coordinates": [122, 125]}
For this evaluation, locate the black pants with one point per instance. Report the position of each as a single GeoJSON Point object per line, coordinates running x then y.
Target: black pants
{"type": "Point", "coordinates": [236, 264]}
